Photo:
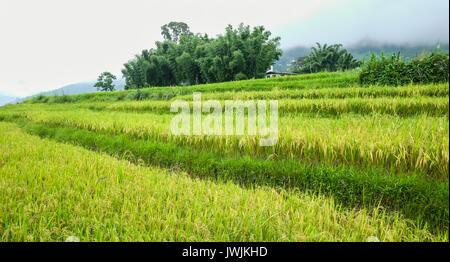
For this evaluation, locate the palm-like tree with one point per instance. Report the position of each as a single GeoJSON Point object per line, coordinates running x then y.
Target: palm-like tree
{"type": "Point", "coordinates": [328, 58]}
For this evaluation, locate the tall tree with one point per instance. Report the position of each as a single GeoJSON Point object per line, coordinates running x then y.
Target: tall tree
{"type": "Point", "coordinates": [173, 31]}
{"type": "Point", "coordinates": [187, 58]}
{"type": "Point", "coordinates": [325, 57]}
{"type": "Point", "coordinates": [105, 82]}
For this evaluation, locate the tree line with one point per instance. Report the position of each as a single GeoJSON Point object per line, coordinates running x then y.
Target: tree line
{"type": "Point", "coordinates": [185, 58]}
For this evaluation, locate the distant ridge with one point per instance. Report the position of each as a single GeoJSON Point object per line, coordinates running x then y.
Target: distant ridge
{"type": "Point", "coordinates": [78, 88]}
{"type": "Point", "coordinates": [6, 99]}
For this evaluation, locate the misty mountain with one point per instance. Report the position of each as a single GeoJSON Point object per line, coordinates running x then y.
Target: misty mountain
{"type": "Point", "coordinates": [362, 51]}
{"type": "Point", "coordinates": [78, 88]}
{"type": "Point", "coordinates": [6, 99]}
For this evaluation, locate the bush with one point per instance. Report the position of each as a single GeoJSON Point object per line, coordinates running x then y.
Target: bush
{"type": "Point", "coordinates": [240, 76]}
{"type": "Point", "coordinates": [40, 99]}
{"type": "Point", "coordinates": [393, 71]}
{"type": "Point", "coordinates": [61, 99]}
{"type": "Point", "coordinates": [136, 95]}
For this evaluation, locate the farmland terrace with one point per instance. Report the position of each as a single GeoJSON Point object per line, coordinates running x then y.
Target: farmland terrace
{"type": "Point", "coordinates": [350, 162]}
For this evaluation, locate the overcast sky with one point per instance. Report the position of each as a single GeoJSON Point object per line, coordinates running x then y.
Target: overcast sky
{"type": "Point", "coordinates": [47, 44]}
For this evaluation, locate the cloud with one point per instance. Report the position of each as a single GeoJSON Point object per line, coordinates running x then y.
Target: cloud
{"type": "Point", "coordinates": [400, 21]}
{"type": "Point", "coordinates": [50, 43]}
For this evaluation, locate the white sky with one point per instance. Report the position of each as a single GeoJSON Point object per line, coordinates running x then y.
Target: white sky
{"type": "Point", "coordinates": [47, 44]}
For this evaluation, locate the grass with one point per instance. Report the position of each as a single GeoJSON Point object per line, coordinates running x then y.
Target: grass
{"type": "Point", "coordinates": [49, 191]}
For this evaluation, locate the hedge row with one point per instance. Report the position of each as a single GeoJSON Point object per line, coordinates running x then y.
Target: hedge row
{"type": "Point", "coordinates": [394, 71]}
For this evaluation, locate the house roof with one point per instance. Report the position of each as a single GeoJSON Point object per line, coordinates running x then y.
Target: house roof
{"type": "Point", "coordinates": [279, 73]}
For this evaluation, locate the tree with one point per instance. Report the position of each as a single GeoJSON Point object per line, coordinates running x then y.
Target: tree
{"type": "Point", "coordinates": [325, 57]}
{"type": "Point", "coordinates": [173, 31]}
{"type": "Point", "coordinates": [187, 58]}
{"type": "Point", "coordinates": [298, 64]}
{"type": "Point", "coordinates": [105, 82]}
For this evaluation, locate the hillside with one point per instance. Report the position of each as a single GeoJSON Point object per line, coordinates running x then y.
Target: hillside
{"type": "Point", "coordinates": [6, 99]}
{"type": "Point", "coordinates": [362, 50]}
{"type": "Point", "coordinates": [349, 163]}
{"type": "Point", "coordinates": [78, 88]}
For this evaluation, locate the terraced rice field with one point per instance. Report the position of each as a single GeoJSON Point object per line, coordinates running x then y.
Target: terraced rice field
{"type": "Point", "coordinates": [350, 162]}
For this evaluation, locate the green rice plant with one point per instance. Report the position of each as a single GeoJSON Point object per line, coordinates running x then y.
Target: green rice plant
{"type": "Point", "coordinates": [366, 106]}
{"type": "Point", "coordinates": [432, 106]}
{"type": "Point", "coordinates": [415, 197]}
{"type": "Point", "coordinates": [50, 191]}
{"type": "Point", "coordinates": [379, 150]}
{"type": "Point", "coordinates": [311, 81]}
{"type": "Point", "coordinates": [413, 144]}
{"type": "Point", "coordinates": [439, 90]}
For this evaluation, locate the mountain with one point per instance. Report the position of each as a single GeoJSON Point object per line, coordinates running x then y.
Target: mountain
{"type": "Point", "coordinates": [362, 50]}
{"type": "Point", "coordinates": [6, 99]}
{"type": "Point", "coordinates": [289, 55]}
{"type": "Point", "coordinates": [78, 88]}
{"type": "Point", "coordinates": [82, 88]}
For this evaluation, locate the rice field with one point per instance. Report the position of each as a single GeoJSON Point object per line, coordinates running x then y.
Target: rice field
{"type": "Point", "coordinates": [350, 162]}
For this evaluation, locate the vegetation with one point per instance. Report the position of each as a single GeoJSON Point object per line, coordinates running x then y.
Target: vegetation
{"type": "Point", "coordinates": [310, 82]}
{"type": "Point", "coordinates": [362, 50]}
{"type": "Point", "coordinates": [378, 156]}
{"type": "Point", "coordinates": [394, 71]}
{"type": "Point", "coordinates": [105, 82]}
{"type": "Point", "coordinates": [75, 192]}
{"type": "Point", "coordinates": [185, 58]}
{"type": "Point", "coordinates": [329, 58]}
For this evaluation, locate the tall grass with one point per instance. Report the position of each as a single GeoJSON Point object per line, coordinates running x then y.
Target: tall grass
{"type": "Point", "coordinates": [418, 199]}
{"type": "Point", "coordinates": [439, 90]}
{"type": "Point", "coordinates": [415, 144]}
{"type": "Point", "coordinates": [432, 106]}
{"type": "Point", "coordinates": [377, 149]}
{"type": "Point", "coordinates": [49, 191]}
{"type": "Point", "coordinates": [312, 81]}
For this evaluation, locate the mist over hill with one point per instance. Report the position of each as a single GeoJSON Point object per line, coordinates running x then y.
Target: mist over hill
{"type": "Point", "coordinates": [6, 99]}
{"type": "Point", "coordinates": [362, 50]}
{"type": "Point", "coordinates": [81, 88]}
{"type": "Point", "coordinates": [78, 88]}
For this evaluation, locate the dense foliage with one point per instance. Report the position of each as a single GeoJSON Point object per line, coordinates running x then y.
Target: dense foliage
{"type": "Point", "coordinates": [184, 58]}
{"type": "Point", "coordinates": [362, 51]}
{"type": "Point", "coordinates": [325, 57]}
{"type": "Point", "coordinates": [393, 70]}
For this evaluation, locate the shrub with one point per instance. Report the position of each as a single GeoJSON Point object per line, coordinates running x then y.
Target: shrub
{"type": "Point", "coordinates": [136, 95]}
{"type": "Point", "coordinates": [395, 71]}
{"type": "Point", "coordinates": [61, 99]}
{"type": "Point", "coordinates": [40, 99]}
{"type": "Point", "coordinates": [240, 76]}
